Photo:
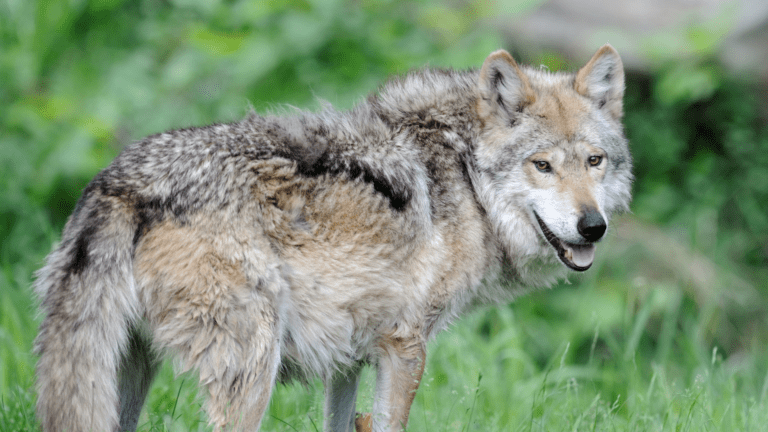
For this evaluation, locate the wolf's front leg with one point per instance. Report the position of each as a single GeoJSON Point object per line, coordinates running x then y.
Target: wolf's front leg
{"type": "Point", "coordinates": [399, 372]}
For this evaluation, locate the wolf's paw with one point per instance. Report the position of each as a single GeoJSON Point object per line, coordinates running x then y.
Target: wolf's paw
{"type": "Point", "coordinates": [363, 422]}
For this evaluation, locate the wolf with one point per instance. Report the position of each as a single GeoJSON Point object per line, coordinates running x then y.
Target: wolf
{"type": "Point", "coordinates": [311, 244]}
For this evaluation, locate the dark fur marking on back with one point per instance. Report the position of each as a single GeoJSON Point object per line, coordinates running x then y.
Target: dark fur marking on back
{"type": "Point", "coordinates": [314, 165]}
{"type": "Point", "coordinates": [148, 214]}
{"type": "Point", "coordinates": [148, 211]}
{"type": "Point", "coordinates": [151, 211]}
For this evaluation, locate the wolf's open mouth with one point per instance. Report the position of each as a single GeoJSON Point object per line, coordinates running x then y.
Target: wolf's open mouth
{"type": "Point", "coordinates": [576, 257]}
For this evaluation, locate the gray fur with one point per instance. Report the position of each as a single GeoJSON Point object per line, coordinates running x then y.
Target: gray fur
{"type": "Point", "coordinates": [325, 241]}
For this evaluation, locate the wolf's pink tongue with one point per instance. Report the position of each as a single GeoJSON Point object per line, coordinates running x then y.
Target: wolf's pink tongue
{"type": "Point", "coordinates": [582, 256]}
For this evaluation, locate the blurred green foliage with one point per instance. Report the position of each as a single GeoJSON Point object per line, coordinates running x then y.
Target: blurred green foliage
{"type": "Point", "coordinates": [701, 150]}
{"type": "Point", "coordinates": [81, 79]}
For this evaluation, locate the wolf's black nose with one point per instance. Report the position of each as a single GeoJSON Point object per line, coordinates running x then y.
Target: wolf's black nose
{"type": "Point", "coordinates": [591, 225]}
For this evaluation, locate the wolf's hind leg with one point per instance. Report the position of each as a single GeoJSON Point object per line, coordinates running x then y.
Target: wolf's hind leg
{"type": "Point", "coordinates": [137, 369]}
{"type": "Point", "coordinates": [214, 300]}
{"type": "Point", "coordinates": [239, 393]}
{"type": "Point", "coordinates": [219, 316]}
{"type": "Point", "coordinates": [340, 398]}
{"type": "Point", "coordinates": [233, 342]}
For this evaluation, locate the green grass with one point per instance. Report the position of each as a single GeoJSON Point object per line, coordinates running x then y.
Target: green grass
{"type": "Point", "coordinates": [515, 392]}
{"type": "Point", "coordinates": [667, 331]}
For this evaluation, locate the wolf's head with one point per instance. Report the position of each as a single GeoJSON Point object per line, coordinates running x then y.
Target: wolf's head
{"type": "Point", "coordinates": [551, 164]}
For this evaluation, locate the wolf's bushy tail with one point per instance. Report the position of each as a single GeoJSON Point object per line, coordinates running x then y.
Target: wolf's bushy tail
{"type": "Point", "coordinates": [89, 298]}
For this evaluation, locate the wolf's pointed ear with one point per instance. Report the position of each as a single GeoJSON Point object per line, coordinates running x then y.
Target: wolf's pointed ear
{"type": "Point", "coordinates": [602, 80]}
{"type": "Point", "coordinates": [504, 88]}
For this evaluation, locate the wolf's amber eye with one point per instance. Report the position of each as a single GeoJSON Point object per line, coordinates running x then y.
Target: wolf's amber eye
{"type": "Point", "coordinates": [542, 166]}
{"type": "Point", "coordinates": [595, 160]}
